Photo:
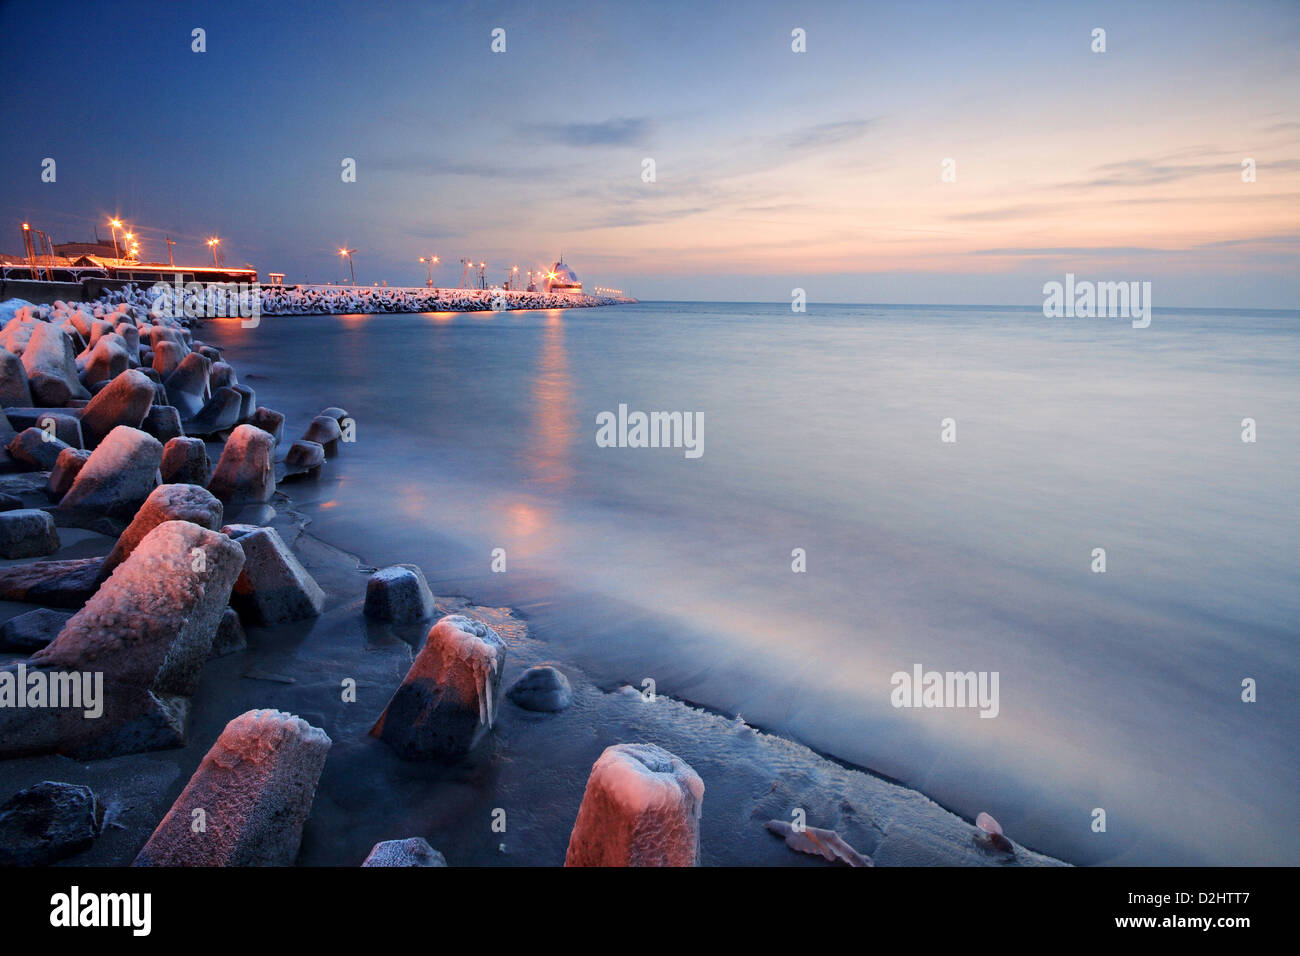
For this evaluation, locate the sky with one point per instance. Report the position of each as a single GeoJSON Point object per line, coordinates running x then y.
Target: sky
{"type": "Point", "coordinates": [773, 169]}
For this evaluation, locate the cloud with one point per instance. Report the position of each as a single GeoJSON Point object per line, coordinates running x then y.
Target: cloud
{"type": "Point", "coordinates": [821, 135]}
{"type": "Point", "coordinates": [610, 132]}
{"type": "Point", "coordinates": [429, 165]}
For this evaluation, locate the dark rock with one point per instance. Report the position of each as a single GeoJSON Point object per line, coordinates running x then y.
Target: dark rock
{"type": "Point", "coordinates": [47, 823]}
{"type": "Point", "coordinates": [542, 688]}
{"type": "Point", "coordinates": [399, 594]}
{"type": "Point", "coordinates": [28, 633]}
{"type": "Point", "coordinates": [27, 533]}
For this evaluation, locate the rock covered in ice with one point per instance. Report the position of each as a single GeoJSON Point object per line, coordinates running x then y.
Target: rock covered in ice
{"type": "Point", "coordinates": [245, 472]}
{"type": "Point", "coordinates": [325, 432]}
{"type": "Point", "coordinates": [447, 702]}
{"type": "Point", "coordinates": [542, 688]}
{"type": "Point", "coordinates": [220, 414]}
{"type": "Point", "coordinates": [274, 587]}
{"type": "Point", "coordinates": [223, 376]}
{"type": "Point", "coordinates": [51, 366]}
{"type": "Point", "coordinates": [68, 583]}
{"type": "Point", "coordinates": [399, 594]}
{"type": "Point", "coordinates": [147, 631]}
{"type": "Point", "coordinates": [47, 823]}
{"type": "Point", "coordinates": [175, 502]}
{"type": "Point", "coordinates": [817, 841]}
{"type": "Point", "coordinates": [255, 789]}
{"type": "Point", "coordinates": [167, 357]}
{"type": "Point", "coordinates": [107, 359]}
{"type": "Point", "coordinates": [114, 482]}
{"type": "Point", "coordinates": [230, 635]}
{"type": "Point", "coordinates": [247, 401]}
{"type": "Point", "coordinates": [36, 448]}
{"type": "Point", "coordinates": [27, 533]}
{"type": "Point", "coordinates": [641, 808]}
{"type": "Point", "coordinates": [303, 458]}
{"type": "Point", "coordinates": [412, 852]}
{"type": "Point", "coordinates": [187, 387]}
{"type": "Point", "coordinates": [991, 835]}
{"type": "Point", "coordinates": [66, 468]}
{"type": "Point", "coordinates": [162, 422]}
{"type": "Point", "coordinates": [124, 401]}
{"type": "Point", "coordinates": [14, 390]}
{"type": "Point", "coordinates": [270, 421]}
{"type": "Point", "coordinates": [185, 461]}
{"type": "Point", "coordinates": [60, 423]}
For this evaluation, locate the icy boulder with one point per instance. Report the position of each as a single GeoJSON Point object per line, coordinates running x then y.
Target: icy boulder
{"type": "Point", "coordinates": [14, 390]}
{"type": "Point", "coordinates": [220, 414]}
{"type": "Point", "coordinates": [27, 533]}
{"type": "Point", "coordinates": [247, 401]}
{"type": "Point", "coordinates": [131, 339]}
{"type": "Point", "coordinates": [270, 421]}
{"type": "Point", "coordinates": [35, 448]}
{"type": "Point", "coordinates": [185, 461]}
{"type": "Point", "coordinates": [114, 482]}
{"type": "Point", "coordinates": [163, 422]}
{"type": "Point", "coordinates": [187, 387]}
{"type": "Point", "coordinates": [61, 423]}
{"type": "Point", "coordinates": [165, 503]}
{"type": "Point", "coordinates": [51, 367]}
{"type": "Point", "coordinates": [107, 359]}
{"type": "Point", "coordinates": [223, 376]}
{"type": "Point", "coordinates": [124, 401]}
{"type": "Point", "coordinates": [273, 587]}
{"type": "Point", "coordinates": [66, 468]}
{"type": "Point", "coordinates": [447, 702]}
{"type": "Point", "coordinates": [325, 432]}
{"type": "Point", "coordinates": [244, 473]}
{"type": "Point", "coordinates": [413, 852]}
{"type": "Point", "coordinates": [167, 358]}
{"type": "Point", "coordinates": [641, 808]}
{"type": "Point", "coordinates": [144, 637]}
{"type": "Point", "coordinates": [303, 458]}
{"type": "Point", "coordinates": [542, 688]}
{"type": "Point", "coordinates": [399, 594]}
{"type": "Point", "coordinates": [254, 791]}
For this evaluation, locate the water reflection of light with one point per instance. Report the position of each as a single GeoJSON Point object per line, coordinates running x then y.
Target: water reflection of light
{"type": "Point", "coordinates": [548, 456]}
{"type": "Point", "coordinates": [525, 520]}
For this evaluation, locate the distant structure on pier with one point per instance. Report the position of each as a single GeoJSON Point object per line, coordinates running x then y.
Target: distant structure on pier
{"type": "Point", "coordinates": [560, 278]}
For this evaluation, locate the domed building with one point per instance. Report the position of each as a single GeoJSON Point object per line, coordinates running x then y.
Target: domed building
{"type": "Point", "coordinates": [560, 278]}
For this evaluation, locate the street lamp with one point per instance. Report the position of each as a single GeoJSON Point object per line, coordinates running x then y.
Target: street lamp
{"type": "Point", "coordinates": [428, 264]}
{"type": "Point", "coordinates": [348, 252]}
{"type": "Point", "coordinates": [212, 244]}
{"type": "Point", "coordinates": [115, 224]}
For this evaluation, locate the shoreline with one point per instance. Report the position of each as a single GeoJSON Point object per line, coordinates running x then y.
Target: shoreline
{"type": "Point", "coordinates": [533, 765]}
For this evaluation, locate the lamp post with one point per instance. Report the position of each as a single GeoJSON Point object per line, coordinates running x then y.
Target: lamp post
{"type": "Point", "coordinates": [348, 253]}
{"type": "Point", "coordinates": [212, 244]}
{"type": "Point", "coordinates": [115, 224]}
{"type": "Point", "coordinates": [428, 261]}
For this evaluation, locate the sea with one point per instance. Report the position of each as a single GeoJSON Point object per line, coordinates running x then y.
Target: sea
{"type": "Point", "coordinates": [1099, 521]}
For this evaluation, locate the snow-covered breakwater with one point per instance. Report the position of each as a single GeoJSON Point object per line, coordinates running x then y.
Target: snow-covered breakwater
{"type": "Point", "coordinates": [344, 300]}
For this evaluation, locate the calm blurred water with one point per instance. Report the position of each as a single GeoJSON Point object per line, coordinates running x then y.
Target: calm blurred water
{"type": "Point", "coordinates": [1118, 691]}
